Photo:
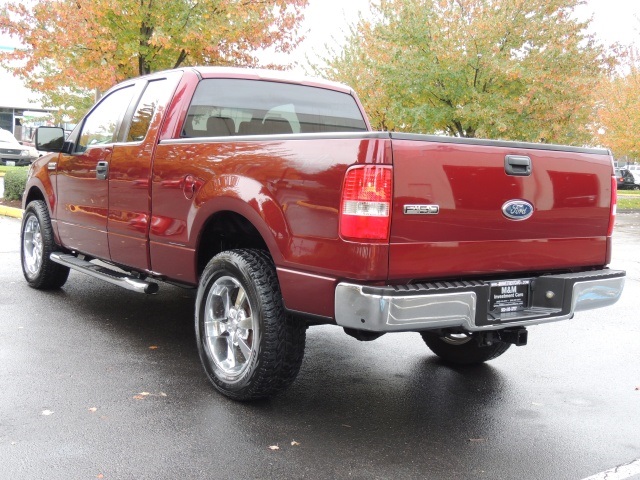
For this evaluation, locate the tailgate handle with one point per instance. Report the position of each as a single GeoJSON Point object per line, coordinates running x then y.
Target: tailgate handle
{"type": "Point", "coordinates": [518, 165]}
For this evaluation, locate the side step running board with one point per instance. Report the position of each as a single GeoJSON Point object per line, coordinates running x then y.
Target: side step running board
{"type": "Point", "coordinates": [121, 279]}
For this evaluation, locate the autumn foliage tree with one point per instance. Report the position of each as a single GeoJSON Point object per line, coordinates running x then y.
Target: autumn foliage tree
{"type": "Point", "coordinates": [514, 69]}
{"type": "Point", "coordinates": [76, 46]}
{"type": "Point", "coordinates": [619, 110]}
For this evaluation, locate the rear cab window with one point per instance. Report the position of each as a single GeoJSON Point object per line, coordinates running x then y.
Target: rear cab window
{"type": "Point", "coordinates": [238, 107]}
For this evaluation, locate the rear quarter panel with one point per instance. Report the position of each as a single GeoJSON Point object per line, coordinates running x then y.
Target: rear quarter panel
{"type": "Point", "coordinates": [288, 188]}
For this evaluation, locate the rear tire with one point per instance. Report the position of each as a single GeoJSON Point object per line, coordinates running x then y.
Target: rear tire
{"type": "Point", "coordinates": [462, 349]}
{"type": "Point", "coordinates": [249, 346]}
{"type": "Point", "coordinates": [36, 245]}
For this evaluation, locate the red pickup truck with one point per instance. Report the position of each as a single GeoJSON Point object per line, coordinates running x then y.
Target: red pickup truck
{"type": "Point", "coordinates": [273, 197]}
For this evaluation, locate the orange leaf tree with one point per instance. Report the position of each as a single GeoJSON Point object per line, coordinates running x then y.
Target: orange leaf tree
{"type": "Point", "coordinates": [619, 111]}
{"type": "Point", "coordinates": [515, 69]}
{"type": "Point", "coordinates": [74, 47]}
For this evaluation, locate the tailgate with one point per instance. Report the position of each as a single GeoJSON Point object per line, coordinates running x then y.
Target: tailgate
{"type": "Point", "coordinates": [452, 198]}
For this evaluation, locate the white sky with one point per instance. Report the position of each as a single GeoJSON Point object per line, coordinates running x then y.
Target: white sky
{"type": "Point", "coordinates": [614, 20]}
{"type": "Point", "coordinates": [327, 22]}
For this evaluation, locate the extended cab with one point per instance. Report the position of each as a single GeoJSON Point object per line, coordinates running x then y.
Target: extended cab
{"type": "Point", "coordinates": [275, 199]}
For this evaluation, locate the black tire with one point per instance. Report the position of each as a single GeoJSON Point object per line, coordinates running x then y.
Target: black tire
{"type": "Point", "coordinates": [249, 346]}
{"type": "Point", "coordinates": [462, 349]}
{"type": "Point", "coordinates": [36, 245]}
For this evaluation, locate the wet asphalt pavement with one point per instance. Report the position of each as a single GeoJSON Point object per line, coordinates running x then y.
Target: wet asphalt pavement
{"type": "Point", "coordinates": [99, 382]}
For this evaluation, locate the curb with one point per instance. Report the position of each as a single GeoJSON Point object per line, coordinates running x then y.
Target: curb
{"type": "Point", "coordinates": [10, 212]}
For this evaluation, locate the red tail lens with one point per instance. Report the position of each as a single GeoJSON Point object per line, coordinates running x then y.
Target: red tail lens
{"type": "Point", "coordinates": [614, 205]}
{"type": "Point", "coordinates": [365, 212]}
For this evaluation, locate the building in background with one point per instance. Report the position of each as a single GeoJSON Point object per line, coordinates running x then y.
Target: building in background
{"type": "Point", "coordinates": [21, 110]}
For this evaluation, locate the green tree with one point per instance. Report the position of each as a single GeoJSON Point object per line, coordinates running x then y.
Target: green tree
{"type": "Point", "coordinates": [74, 47]}
{"type": "Point", "coordinates": [516, 69]}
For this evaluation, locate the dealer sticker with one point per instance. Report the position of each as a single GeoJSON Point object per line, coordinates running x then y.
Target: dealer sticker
{"type": "Point", "coordinates": [509, 296]}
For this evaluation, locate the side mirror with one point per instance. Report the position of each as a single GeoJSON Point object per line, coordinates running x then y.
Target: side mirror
{"type": "Point", "coordinates": [49, 139]}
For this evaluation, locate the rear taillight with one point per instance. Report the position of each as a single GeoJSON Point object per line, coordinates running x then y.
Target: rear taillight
{"type": "Point", "coordinates": [614, 205]}
{"type": "Point", "coordinates": [365, 210]}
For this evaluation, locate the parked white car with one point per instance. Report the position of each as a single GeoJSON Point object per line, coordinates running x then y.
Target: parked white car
{"type": "Point", "coordinates": [12, 152]}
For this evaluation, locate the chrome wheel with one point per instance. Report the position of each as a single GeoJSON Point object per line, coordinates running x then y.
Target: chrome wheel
{"type": "Point", "coordinates": [36, 245]}
{"type": "Point", "coordinates": [229, 326]}
{"type": "Point", "coordinates": [32, 246]}
{"type": "Point", "coordinates": [249, 346]}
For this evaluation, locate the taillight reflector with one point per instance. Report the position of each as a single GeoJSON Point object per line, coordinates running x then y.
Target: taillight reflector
{"type": "Point", "coordinates": [365, 211]}
{"type": "Point", "coordinates": [614, 205]}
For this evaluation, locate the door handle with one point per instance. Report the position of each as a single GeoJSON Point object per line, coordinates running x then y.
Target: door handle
{"type": "Point", "coordinates": [102, 170]}
{"type": "Point", "coordinates": [517, 165]}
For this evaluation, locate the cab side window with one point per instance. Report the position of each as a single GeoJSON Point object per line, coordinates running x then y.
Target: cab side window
{"type": "Point", "coordinates": [143, 115]}
{"type": "Point", "coordinates": [102, 123]}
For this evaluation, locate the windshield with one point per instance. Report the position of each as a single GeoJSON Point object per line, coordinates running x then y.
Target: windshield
{"type": "Point", "coordinates": [7, 137]}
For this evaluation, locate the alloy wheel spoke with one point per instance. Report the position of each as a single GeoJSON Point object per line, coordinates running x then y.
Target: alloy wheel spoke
{"type": "Point", "coordinates": [244, 347]}
{"type": "Point", "coordinates": [231, 353]}
{"type": "Point", "coordinates": [246, 324]}
{"type": "Point", "coordinates": [240, 298]}
{"type": "Point", "coordinates": [214, 328]}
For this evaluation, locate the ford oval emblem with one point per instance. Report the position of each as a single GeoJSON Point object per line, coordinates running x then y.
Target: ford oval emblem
{"type": "Point", "coordinates": [517, 209]}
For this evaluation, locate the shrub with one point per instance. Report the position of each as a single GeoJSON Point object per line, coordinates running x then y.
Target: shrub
{"type": "Point", "coordinates": [14, 184]}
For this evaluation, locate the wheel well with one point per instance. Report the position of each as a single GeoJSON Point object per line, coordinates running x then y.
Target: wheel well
{"type": "Point", "coordinates": [226, 231]}
{"type": "Point", "coordinates": [34, 194]}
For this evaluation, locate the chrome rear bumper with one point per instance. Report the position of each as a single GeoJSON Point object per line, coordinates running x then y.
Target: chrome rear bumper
{"type": "Point", "coordinates": [465, 304]}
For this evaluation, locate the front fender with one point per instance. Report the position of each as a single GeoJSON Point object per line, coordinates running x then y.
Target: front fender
{"type": "Point", "coordinates": [41, 186]}
{"type": "Point", "coordinates": [39, 180]}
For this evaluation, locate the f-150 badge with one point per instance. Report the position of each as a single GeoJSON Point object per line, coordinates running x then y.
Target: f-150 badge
{"type": "Point", "coordinates": [421, 209]}
{"type": "Point", "coordinates": [517, 209]}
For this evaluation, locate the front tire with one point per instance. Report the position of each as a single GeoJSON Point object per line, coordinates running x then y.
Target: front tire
{"type": "Point", "coordinates": [36, 245]}
{"type": "Point", "coordinates": [249, 346]}
{"type": "Point", "coordinates": [462, 349]}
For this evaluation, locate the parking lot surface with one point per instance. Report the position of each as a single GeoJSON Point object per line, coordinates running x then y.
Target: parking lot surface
{"type": "Point", "coordinates": [99, 382]}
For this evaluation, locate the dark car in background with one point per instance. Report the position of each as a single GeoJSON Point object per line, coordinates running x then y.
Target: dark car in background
{"type": "Point", "coordinates": [636, 179]}
{"type": "Point", "coordinates": [626, 180]}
